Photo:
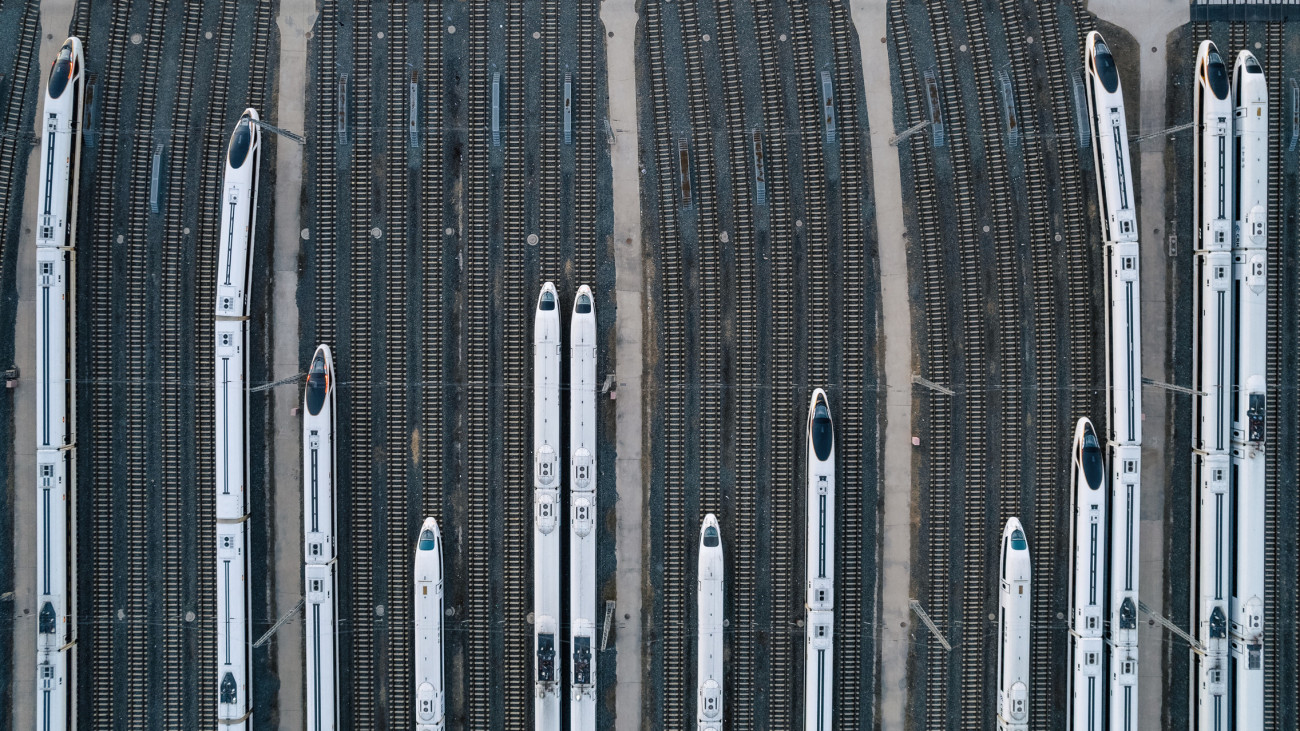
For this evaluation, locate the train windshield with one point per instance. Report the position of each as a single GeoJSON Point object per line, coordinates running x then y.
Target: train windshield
{"type": "Point", "coordinates": [823, 434]}
{"type": "Point", "coordinates": [1018, 540]}
{"type": "Point", "coordinates": [318, 385]}
{"type": "Point", "coordinates": [427, 541]}
{"type": "Point", "coordinates": [240, 142]}
{"type": "Point", "coordinates": [1252, 66]}
{"type": "Point", "coordinates": [1091, 460]}
{"type": "Point", "coordinates": [61, 74]}
{"type": "Point", "coordinates": [583, 306]}
{"type": "Point", "coordinates": [1105, 67]}
{"type": "Point", "coordinates": [1218, 76]}
{"type": "Point", "coordinates": [711, 537]}
{"type": "Point", "coordinates": [547, 302]}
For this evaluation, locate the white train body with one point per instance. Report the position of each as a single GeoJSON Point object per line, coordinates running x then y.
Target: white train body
{"type": "Point", "coordinates": [1013, 630]}
{"type": "Point", "coordinates": [1249, 397]}
{"type": "Point", "coordinates": [430, 681]}
{"type": "Point", "coordinates": [711, 605]}
{"type": "Point", "coordinates": [59, 128]}
{"type": "Point", "coordinates": [234, 257]}
{"type": "Point", "coordinates": [582, 512]}
{"type": "Point", "coordinates": [1212, 354]}
{"type": "Point", "coordinates": [819, 556]}
{"type": "Point", "coordinates": [1117, 197]}
{"type": "Point", "coordinates": [546, 509]}
{"type": "Point", "coordinates": [319, 552]}
{"type": "Point", "coordinates": [1088, 682]}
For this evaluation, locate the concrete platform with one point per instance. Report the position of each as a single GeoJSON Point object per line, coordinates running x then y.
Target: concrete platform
{"type": "Point", "coordinates": [295, 21]}
{"type": "Point", "coordinates": [619, 17]}
{"type": "Point", "coordinates": [870, 17]}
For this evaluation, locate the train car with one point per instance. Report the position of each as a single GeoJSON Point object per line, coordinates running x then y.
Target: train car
{"type": "Point", "coordinates": [546, 508]}
{"type": "Point", "coordinates": [59, 129]}
{"type": "Point", "coordinates": [1250, 304]}
{"type": "Point", "coordinates": [319, 531]}
{"type": "Point", "coordinates": [711, 604]}
{"type": "Point", "coordinates": [1013, 630]}
{"type": "Point", "coordinates": [1212, 362]}
{"type": "Point", "coordinates": [819, 567]}
{"type": "Point", "coordinates": [430, 688]}
{"type": "Point", "coordinates": [1087, 677]}
{"type": "Point", "coordinates": [54, 629]}
{"type": "Point", "coordinates": [234, 261]}
{"type": "Point", "coordinates": [582, 512]}
{"type": "Point", "coordinates": [1117, 197]}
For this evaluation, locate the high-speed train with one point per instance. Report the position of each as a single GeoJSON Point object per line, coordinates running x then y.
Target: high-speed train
{"type": "Point", "coordinates": [430, 690]}
{"type": "Point", "coordinates": [60, 138]}
{"type": "Point", "coordinates": [1088, 683]}
{"type": "Point", "coordinates": [546, 509]}
{"type": "Point", "coordinates": [319, 549]}
{"type": "Point", "coordinates": [1212, 362]}
{"type": "Point", "coordinates": [1013, 630]}
{"type": "Point", "coordinates": [819, 563]}
{"type": "Point", "coordinates": [1117, 196]}
{"type": "Point", "coordinates": [712, 607]}
{"type": "Point", "coordinates": [1250, 304]}
{"type": "Point", "coordinates": [234, 257]}
{"type": "Point", "coordinates": [582, 512]}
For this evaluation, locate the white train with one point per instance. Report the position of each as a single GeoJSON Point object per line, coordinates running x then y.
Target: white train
{"type": "Point", "coordinates": [819, 562]}
{"type": "Point", "coordinates": [430, 689]}
{"type": "Point", "coordinates": [582, 512]}
{"type": "Point", "coordinates": [1088, 683]}
{"type": "Point", "coordinates": [235, 252]}
{"type": "Point", "coordinates": [1013, 630]}
{"type": "Point", "coordinates": [711, 604]}
{"type": "Point", "coordinates": [319, 547]}
{"type": "Point", "coordinates": [60, 139]}
{"type": "Point", "coordinates": [546, 508]}
{"type": "Point", "coordinates": [1120, 238]}
{"type": "Point", "coordinates": [1212, 358]}
{"type": "Point", "coordinates": [1250, 302]}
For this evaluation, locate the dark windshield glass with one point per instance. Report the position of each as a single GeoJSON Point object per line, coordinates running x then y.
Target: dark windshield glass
{"type": "Point", "coordinates": [1091, 460]}
{"type": "Point", "coordinates": [240, 142]}
{"type": "Point", "coordinates": [1018, 540]}
{"type": "Point", "coordinates": [1252, 66]}
{"type": "Point", "coordinates": [548, 302]}
{"type": "Point", "coordinates": [427, 541]}
{"type": "Point", "coordinates": [583, 306]}
{"type": "Point", "coordinates": [823, 434]}
{"type": "Point", "coordinates": [711, 537]}
{"type": "Point", "coordinates": [1218, 76]}
{"type": "Point", "coordinates": [318, 385]}
{"type": "Point", "coordinates": [60, 75]}
{"type": "Point", "coordinates": [1106, 69]}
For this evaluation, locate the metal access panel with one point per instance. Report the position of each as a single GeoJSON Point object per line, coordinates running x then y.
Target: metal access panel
{"type": "Point", "coordinates": [684, 172]}
{"type": "Point", "coordinates": [496, 108]}
{"type": "Point", "coordinates": [935, 104]}
{"type": "Point", "coordinates": [341, 101]}
{"type": "Point", "coordinates": [828, 107]}
{"type": "Point", "coordinates": [760, 173]}
{"type": "Point", "coordinates": [568, 108]}
{"type": "Point", "coordinates": [413, 125]}
{"type": "Point", "coordinates": [1009, 107]}
{"type": "Point", "coordinates": [1081, 125]}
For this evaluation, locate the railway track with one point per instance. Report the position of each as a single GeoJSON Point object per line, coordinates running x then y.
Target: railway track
{"type": "Point", "coordinates": [433, 371]}
{"type": "Point", "coordinates": [358, 370]}
{"type": "Point", "coordinates": [12, 118]}
{"type": "Point", "coordinates": [400, 522]}
{"type": "Point", "coordinates": [854, 679]}
{"type": "Point", "coordinates": [482, 659]}
{"type": "Point", "coordinates": [936, 366]}
{"type": "Point", "coordinates": [519, 301]}
{"type": "Point", "coordinates": [671, 531]}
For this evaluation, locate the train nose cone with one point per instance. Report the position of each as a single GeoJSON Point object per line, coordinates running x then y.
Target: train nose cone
{"type": "Point", "coordinates": [822, 430]}
{"type": "Point", "coordinates": [1216, 74]}
{"type": "Point", "coordinates": [429, 535]}
{"type": "Point", "coordinates": [241, 141]}
{"type": "Point", "coordinates": [546, 301]}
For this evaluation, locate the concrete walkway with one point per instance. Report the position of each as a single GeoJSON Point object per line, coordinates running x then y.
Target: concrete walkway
{"type": "Point", "coordinates": [895, 563]}
{"type": "Point", "coordinates": [1151, 23]}
{"type": "Point", "coordinates": [619, 17]}
{"type": "Point", "coordinates": [56, 17]}
{"type": "Point", "coordinates": [296, 19]}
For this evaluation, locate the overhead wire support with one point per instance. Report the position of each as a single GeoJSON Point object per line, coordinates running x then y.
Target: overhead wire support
{"type": "Point", "coordinates": [282, 132]}
{"type": "Point", "coordinates": [920, 612]}
{"type": "Point", "coordinates": [1172, 628]}
{"type": "Point", "coordinates": [902, 136]}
